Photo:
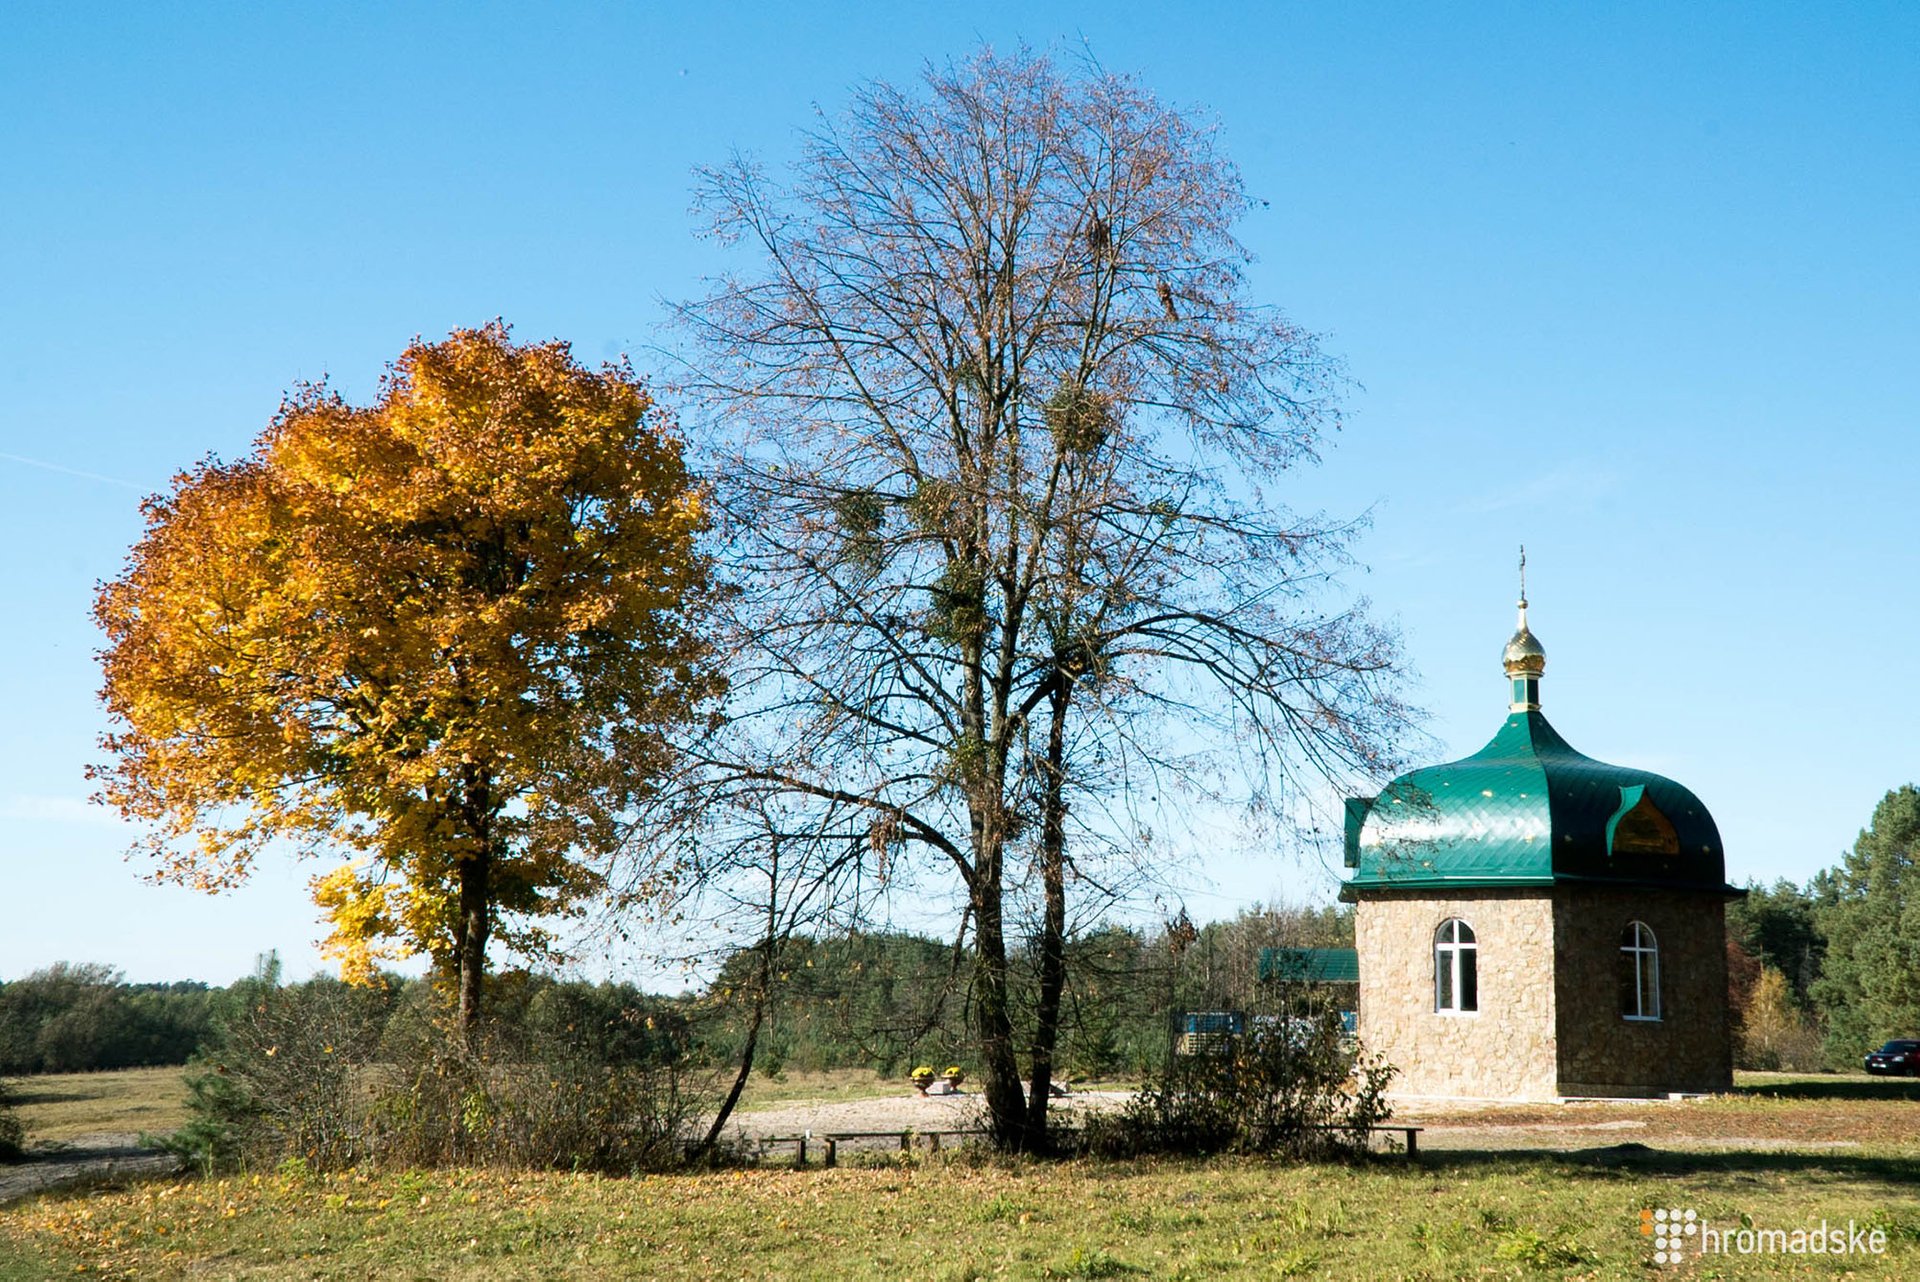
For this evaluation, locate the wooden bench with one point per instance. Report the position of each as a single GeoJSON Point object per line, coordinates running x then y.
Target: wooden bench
{"type": "Point", "coordinates": [830, 1141]}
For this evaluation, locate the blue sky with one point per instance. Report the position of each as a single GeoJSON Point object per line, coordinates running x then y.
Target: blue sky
{"type": "Point", "coordinates": [1633, 284]}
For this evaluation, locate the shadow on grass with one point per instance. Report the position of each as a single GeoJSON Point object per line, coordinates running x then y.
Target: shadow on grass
{"type": "Point", "coordinates": [28, 1095]}
{"type": "Point", "coordinates": [1891, 1088]}
{"type": "Point", "coordinates": [1638, 1159]}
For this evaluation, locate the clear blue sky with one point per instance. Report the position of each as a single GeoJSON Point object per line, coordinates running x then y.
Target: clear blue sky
{"type": "Point", "coordinates": [1635, 284]}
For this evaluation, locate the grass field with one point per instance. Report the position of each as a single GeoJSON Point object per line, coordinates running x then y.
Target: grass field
{"type": "Point", "coordinates": [1450, 1217]}
{"type": "Point", "coordinates": [59, 1107]}
{"type": "Point", "coordinates": [1791, 1153]}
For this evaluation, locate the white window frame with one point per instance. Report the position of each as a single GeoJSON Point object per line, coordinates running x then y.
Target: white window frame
{"type": "Point", "coordinates": [1640, 956]}
{"type": "Point", "coordinates": [1453, 942]}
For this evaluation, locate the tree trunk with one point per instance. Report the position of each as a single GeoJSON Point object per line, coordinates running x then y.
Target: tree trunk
{"type": "Point", "coordinates": [1006, 1113]}
{"type": "Point", "coordinates": [763, 993]}
{"type": "Point", "coordinates": [470, 951]}
{"type": "Point", "coordinates": [476, 895]}
{"type": "Point", "coordinates": [746, 1059]}
{"type": "Point", "coordinates": [1053, 922]}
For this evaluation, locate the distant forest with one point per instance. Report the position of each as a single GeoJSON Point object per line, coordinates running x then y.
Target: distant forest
{"type": "Point", "coordinates": [78, 1018]}
{"type": "Point", "coordinates": [866, 999]}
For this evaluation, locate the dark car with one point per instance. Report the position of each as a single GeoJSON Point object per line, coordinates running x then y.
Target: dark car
{"type": "Point", "coordinates": [1900, 1058]}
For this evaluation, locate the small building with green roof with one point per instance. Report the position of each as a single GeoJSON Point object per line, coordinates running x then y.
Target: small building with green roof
{"type": "Point", "coordinates": [1531, 923]}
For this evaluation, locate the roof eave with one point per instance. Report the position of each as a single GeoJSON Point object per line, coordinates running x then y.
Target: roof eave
{"type": "Point", "coordinates": [1416, 884]}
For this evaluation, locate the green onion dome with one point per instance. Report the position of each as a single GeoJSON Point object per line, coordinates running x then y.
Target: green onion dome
{"type": "Point", "coordinates": [1529, 810]}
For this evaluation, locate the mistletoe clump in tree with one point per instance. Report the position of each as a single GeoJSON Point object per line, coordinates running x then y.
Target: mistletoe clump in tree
{"type": "Point", "coordinates": [998, 431]}
{"type": "Point", "coordinates": [446, 633]}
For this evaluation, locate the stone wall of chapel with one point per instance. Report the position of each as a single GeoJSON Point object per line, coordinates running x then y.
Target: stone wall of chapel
{"type": "Point", "coordinates": [1601, 1053]}
{"type": "Point", "coordinates": [1504, 1051]}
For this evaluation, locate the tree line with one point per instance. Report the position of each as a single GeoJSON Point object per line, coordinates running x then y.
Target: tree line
{"type": "Point", "coordinates": [1824, 972]}
{"type": "Point", "coordinates": [71, 1018]}
{"type": "Point", "coordinates": [877, 1000]}
{"type": "Point", "coordinates": [887, 1001]}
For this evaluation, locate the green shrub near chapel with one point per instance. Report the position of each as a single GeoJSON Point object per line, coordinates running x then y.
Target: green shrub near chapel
{"type": "Point", "coordinates": [1287, 1085]}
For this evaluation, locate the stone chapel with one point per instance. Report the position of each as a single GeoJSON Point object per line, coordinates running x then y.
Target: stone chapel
{"type": "Point", "coordinates": [1533, 924]}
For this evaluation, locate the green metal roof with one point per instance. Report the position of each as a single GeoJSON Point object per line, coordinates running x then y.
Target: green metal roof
{"type": "Point", "coordinates": [1311, 965]}
{"type": "Point", "coordinates": [1528, 810]}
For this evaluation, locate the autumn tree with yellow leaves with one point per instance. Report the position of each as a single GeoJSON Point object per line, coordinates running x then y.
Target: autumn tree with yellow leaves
{"type": "Point", "coordinates": [447, 634]}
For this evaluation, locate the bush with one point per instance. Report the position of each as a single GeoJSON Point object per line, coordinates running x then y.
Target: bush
{"type": "Point", "coordinates": [586, 1082]}
{"type": "Point", "coordinates": [571, 1076]}
{"type": "Point", "coordinates": [1287, 1086]}
{"type": "Point", "coordinates": [288, 1072]}
{"type": "Point", "coordinates": [1774, 1033]}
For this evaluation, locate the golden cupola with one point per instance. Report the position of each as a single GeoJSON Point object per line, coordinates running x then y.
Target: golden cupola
{"type": "Point", "coordinates": [1524, 658]}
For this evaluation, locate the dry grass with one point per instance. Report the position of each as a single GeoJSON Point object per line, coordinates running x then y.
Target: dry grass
{"type": "Point", "coordinates": [831, 1086]}
{"type": "Point", "coordinates": [59, 1107]}
{"type": "Point", "coordinates": [964, 1219]}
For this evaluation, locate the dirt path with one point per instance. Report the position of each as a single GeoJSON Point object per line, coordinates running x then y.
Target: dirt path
{"type": "Point", "coordinates": [1695, 1124]}
{"type": "Point", "coordinates": [99, 1155]}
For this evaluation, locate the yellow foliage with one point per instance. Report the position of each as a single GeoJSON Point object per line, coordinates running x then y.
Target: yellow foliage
{"type": "Point", "coordinates": [440, 632]}
{"type": "Point", "coordinates": [1775, 1034]}
{"type": "Point", "coordinates": [362, 919]}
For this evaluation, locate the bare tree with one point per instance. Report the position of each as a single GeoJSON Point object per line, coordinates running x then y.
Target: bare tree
{"type": "Point", "coordinates": [992, 422]}
{"type": "Point", "coordinates": [771, 896]}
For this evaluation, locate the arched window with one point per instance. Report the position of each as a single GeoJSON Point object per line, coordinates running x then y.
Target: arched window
{"type": "Point", "coordinates": [1456, 969]}
{"type": "Point", "coordinates": [1639, 972]}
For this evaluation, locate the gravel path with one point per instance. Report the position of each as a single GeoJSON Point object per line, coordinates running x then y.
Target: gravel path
{"type": "Point", "coordinates": [894, 1113]}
